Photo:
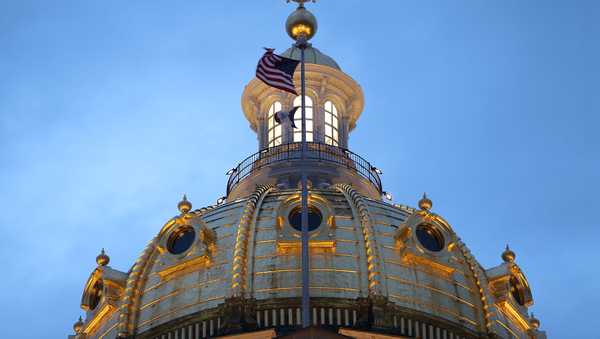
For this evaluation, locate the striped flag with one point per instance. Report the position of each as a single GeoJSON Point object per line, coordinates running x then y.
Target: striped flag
{"type": "Point", "coordinates": [277, 71]}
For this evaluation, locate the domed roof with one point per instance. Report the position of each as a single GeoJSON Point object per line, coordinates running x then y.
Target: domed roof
{"type": "Point", "coordinates": [311, 56]}
{"type": "Point", "coordinates": [238, 264]}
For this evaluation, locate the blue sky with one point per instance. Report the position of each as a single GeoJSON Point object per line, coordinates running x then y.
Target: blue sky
{"type": "Point", "coordinates": [111, 110]}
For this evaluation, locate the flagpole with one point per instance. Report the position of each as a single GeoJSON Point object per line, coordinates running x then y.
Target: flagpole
{"type": "Point", "coordinates": [304, 217]}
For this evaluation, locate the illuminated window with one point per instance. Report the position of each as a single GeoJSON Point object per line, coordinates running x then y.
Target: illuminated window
{"type": "Point", "coordinates": [331, 124]}
{"type": "Point", "coordinates": [298, 119]}
{"type": "Point", "coordinates": [274, 130]}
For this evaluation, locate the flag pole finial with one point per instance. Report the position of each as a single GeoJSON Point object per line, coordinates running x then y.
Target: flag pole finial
{"type": "Point", "coordinates": [301, 22]}
{"type": "Point", "coordinates": [300, 2]}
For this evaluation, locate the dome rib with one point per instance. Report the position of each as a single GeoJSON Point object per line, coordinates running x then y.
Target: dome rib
{"type": "Point", "coordinates": [374, 267]}
{"type": "Point", "coordinates": [311, 56]}
{"type": "Point", "coordinates": [239, 264]}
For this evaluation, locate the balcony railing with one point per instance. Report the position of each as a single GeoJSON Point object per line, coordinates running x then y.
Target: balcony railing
{"type": "Point", "coordinates": [292, 152]}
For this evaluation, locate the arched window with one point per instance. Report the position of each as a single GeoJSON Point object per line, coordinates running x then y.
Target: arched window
{"type": "Point", "coordinates": [331, 124]}
{"type": "Point", "coordinates": [298, 119]}
{"type": "Point", "coordinates": [274, 130]}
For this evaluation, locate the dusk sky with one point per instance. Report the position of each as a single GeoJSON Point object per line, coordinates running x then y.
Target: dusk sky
{"type": "Point", "coordinates": [111, 110]}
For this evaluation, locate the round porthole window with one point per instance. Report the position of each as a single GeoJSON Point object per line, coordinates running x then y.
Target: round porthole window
{"type": "Point", "coordinates": [181, 240]}
{"type": "Point", "coordinates": [430, 238]}
{"type": "Point", "coordinates": [315, 218]}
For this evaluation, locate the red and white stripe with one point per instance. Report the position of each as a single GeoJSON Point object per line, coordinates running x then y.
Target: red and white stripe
{"type": "Point", "coordinates": [267, 71]}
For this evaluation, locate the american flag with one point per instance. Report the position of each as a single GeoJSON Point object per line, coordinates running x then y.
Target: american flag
{"type": "Point", "coordinates": [277, 71]}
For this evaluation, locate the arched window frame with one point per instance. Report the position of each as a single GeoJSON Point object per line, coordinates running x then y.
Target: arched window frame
{"type": "Point", "coordinates": [332, 124]}
{"type": "Point", "coordinates": [309, 119]}
{"type": "Point", "coordinates": [274, 130]}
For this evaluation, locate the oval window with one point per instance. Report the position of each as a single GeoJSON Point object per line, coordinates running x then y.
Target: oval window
{"type": "Point", "coordinates": [430, 238]}
{"type": "Point", "coordinates": [181, 240]}
{"type": "Point", "coordinates": [315, 218]}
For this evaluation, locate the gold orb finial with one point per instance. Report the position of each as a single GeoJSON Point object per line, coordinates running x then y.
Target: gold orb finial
{"type": "Point", "coordinates": [78, 326]}
{"type": "Point", "coordinates": [184, 205]}
{"type": "Point", "coordinates": [301, 23]}
{"type": "Point", "coordinates": [508, 255]}
{"type": "Point", "coordinates": [425, 203]}
{"type": "Point", "coordinates": [102, 259]}
{"type": "Point", "coordinates": [535, 322]}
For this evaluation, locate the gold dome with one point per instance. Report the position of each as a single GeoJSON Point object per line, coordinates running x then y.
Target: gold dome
{"type": "Point", "coordinates": [78, 325]}
{"type": "Point", "coordinates": [102, 259]}
{"type": "Point", "coordinates": [184, 205]}
{"type": "Point", "coordinates": [535, 323]}
{"type": "Point", "coordinates": [301, 22]}
{"type": "Point", "coordinates": [425, 203]}
{"type": "Point", "coordinates": [508, 255]}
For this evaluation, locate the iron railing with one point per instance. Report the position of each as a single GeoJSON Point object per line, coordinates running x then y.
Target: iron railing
{"type": "Point", "coordinates": [292, 151]}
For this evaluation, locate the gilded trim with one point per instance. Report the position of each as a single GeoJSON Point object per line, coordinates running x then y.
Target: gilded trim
{"type": "Point", "coordinates": [435, 273]}
{"type": "Point", "coordinates": [478, 281]}
{"type": "Point", "coordinates": [99, 319]}
{"type": "Point", "coordinates": [284, 245]}
{"type": "Point", "coordinates": [177, 309]}
{"type": "Point", "coordinates": [415, 260]}
{"type": "Point", "coordinates": [239, 264]}
{"type": "Point", "coordinates": [374, 266]}
{"type": "Point", "coordinates": [296, 270]}
{"type": "Point", "coordinates": [184, 267]}
{"type": "Point", "coordinates": [513, 314]}
{"type": "Point", "coordinates": [155, 286]}
{"type": "Point", "coordinates": [292, 254]}
{"type": "Point", "coordinates": [507, 328]}
{"type": "Point", "coordinates": [431, 288]}
{"type": "Point", "coordinates": [105, 333]}
{"type": "Point", "coordinates": [179, 290]}
{"type": "Point", "coordinates": [326, 288]}
{"type": "Point", "coordinates": [433, 307]}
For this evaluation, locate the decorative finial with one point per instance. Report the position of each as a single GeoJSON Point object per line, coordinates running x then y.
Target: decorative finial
{"type": "Point", "coordinates": [534, 322]}
{"type": "Point", "coordinates": [301, 25]}
{"type": "Point", "coordinates": [102, 259]}
{"type": "Point", "coordinates": [425, 203]}
{"type": "Point", "coordinates": [78, 326]}
{"type": "Point", "coordinates": [184, 205]}
{"type": "Point", "coordinates": [300, 2]}
{"type": "Point", "coordinates": [508, 255]}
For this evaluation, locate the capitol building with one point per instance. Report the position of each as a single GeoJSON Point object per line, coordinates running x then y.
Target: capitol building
{"type": "Point", "coordinates": [377, 269]}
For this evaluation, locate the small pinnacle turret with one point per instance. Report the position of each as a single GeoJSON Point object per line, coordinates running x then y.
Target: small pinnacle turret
{"type": "Point", "coordinates": [78, 325]}
{"type": "Point", "coordinates": [102, 259]}
{"type": "Point", "coordinates": [425, 203]}
{"type": "Point", "coordinates": [184, 205]}
{"type": "Point", "coordinates": [508, 255]}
